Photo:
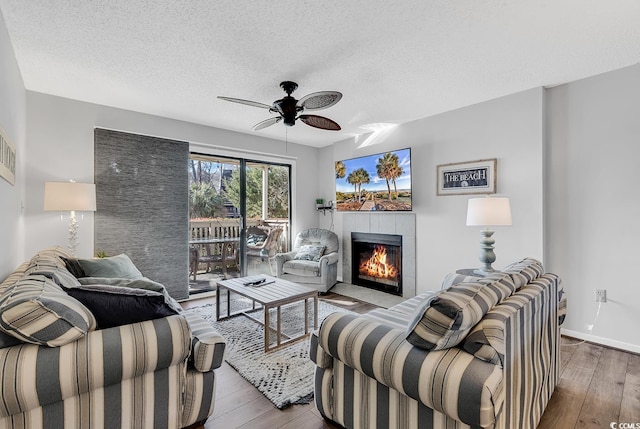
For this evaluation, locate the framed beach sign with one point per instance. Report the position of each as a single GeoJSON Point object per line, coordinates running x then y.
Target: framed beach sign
{"type": "Point", "coordinates": [473, 177]}
{"type": "Point", "coordinates": [7, 159]}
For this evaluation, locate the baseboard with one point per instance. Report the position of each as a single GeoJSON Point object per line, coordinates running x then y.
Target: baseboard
{"type": "Point", "coordinates": [200, 295]}
{"type": "Point", "coordinates": [602, 341]}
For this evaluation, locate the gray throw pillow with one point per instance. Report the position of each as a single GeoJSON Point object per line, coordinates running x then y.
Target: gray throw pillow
{"type": "Point", "coordinates": [119, 266]}
{"type": "Point", "coordinates": [310, 252]}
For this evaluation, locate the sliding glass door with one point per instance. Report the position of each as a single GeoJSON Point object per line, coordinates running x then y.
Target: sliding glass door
{"type": "Point", "coordinates": [239, 217]}
{"type": "Point", "coordinates": [267, 211]}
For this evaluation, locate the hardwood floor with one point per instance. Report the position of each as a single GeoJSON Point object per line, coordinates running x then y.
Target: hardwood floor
{"type": "Point", "coordinates": [598, 385]}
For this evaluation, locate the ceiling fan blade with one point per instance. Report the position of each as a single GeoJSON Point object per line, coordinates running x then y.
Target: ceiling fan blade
{"type": "Point", "coordinates": [319, 122]}
{"type": "Point", "coordinates": [247, 102]}
{"type": "Point", "coordinates": [267, 123]}
{"type": "Point", "coordinates": [320, 100]}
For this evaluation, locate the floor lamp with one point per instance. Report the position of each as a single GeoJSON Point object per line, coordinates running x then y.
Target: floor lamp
{"type": "Point", "coordinates": [71, 197]}
{"type": "Point", "coordinates": [488, 212]}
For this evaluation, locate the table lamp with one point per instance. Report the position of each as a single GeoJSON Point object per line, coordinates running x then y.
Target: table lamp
{"type": "Point", "coordinates": [488, 212]}
{"type": "Point", "coordinates": [71, 197]}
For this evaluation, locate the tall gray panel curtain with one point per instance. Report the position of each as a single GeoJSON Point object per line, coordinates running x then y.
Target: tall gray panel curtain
{"type": "Point", "coordinates": [142, 196]}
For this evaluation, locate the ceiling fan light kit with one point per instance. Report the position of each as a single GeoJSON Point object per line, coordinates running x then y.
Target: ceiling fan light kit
{"type": "Point", "coordinates": [289, 109]}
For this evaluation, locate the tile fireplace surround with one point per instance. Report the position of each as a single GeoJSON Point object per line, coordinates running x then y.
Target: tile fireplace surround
{"type": "Point", "coordinates": [403, 224]}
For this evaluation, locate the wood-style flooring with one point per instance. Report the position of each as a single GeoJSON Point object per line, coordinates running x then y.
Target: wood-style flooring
{"type": "Point", "coordinates": [598, 386]}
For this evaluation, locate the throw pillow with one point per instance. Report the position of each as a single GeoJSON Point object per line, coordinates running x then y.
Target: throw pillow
{"type": "Point", "coordinates": [419, 310]}
{"type": "Point", "coordinates": [453, 279]}
{"type": "Point", "coordinates": [36, 310]}
{"type": "Point", "coordinates": [141, 283]}
{"type": "Point", "coordinates": [117, 305]}
{"type": "Point", "coordinates": [310, 252]}
{"type": "Point", "coordinates": [480, 341]}
{"type": "Point", "coordinates": [119, 266]}
{"type": "Point", "coordinates": [60, 276]}
{"type": "Point", "coordinates": [524, 271]}
{"type": "Point", "coordinates": [255, 239]}
{"type": "Point", "coordinates": [74, 267]}
{"type": "Point", "coordinates": [455, 311]}
{"type": "Point", "coordinates": [7, 340]}
{"type": "Point", "coordinates": [46, 260]}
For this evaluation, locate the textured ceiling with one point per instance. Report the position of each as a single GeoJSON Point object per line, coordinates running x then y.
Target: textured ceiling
{"type": "Point", "coordinates": [394, 61]}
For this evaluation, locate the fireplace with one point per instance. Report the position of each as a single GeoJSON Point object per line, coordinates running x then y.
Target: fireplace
{"type": "Point", "coordinates": [377, 261]}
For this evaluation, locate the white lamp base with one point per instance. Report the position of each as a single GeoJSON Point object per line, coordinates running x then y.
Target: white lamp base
{"type": "Point", "coordinates": [73, 233]}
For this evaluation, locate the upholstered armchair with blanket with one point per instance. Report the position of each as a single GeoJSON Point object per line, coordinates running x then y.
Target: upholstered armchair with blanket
{"type": "Point", "coordinates": [313, 261]}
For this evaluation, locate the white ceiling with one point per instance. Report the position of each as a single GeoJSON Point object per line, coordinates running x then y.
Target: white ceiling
{"type": "Point", "coordinates": [394, 61]}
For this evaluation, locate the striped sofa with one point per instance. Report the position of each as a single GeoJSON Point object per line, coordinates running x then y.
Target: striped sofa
{"type": "Point", "coordinates": [483, 352]}
{"type": "Point", "coordinates": [66, 373]}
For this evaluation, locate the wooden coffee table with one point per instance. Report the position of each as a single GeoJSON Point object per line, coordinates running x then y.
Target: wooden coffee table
{"type": "Point", "coordinates": [274, 293]}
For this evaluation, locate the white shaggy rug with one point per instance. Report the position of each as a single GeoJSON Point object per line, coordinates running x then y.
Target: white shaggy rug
{"type": "Point", "coordinates": [284, 376]}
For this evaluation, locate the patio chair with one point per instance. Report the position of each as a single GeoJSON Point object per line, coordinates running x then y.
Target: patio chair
{"type": "Point", "coordinates": [266, 249]}
{"type": "Point", "coordinates": [318, 270]}
{"type": "Point", "coordinates": [222, 255]}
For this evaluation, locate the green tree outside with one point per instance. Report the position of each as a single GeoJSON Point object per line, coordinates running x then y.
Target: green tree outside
{"type": "Point", "coordinates": [277, 192]}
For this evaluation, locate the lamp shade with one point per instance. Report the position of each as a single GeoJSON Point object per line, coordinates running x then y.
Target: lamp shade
{"type": "Point", "coordinates": [489, 211]}
{"type": "Point", "coordinates": [69, 196]}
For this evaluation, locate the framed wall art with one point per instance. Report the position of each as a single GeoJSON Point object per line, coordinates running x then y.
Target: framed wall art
{"type": "Point", "coordinates": [462, 178]}
{"type": "Point", "coordinates": [7, 159]}
{"type": "Point", "coordinates": [379, 182]}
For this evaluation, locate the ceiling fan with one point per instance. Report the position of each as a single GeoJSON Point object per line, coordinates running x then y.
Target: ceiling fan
{"type": "Point", "coordinates": [289, 109]}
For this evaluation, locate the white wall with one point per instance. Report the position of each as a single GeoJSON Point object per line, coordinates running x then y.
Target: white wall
{"type": "Point", "coordinates": [60, 147]}
{"type": "Point", "coordinates": [12, 120]}
{"type": "Point", "coordinates": [509, 129]}
{"type": "Point", "coordinates": [592, 233]}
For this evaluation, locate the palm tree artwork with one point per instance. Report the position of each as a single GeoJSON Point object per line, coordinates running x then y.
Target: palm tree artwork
{"type": "Point", "coordinates": [388, 168]}
{"type": "Point", "coordinates": [341, 169]}
{"type": "Point", "coordinates": [353, 179]}
{"type": "Point", "coordinates": [384, 178]}
{"type": "Point", "coordinates": [362, 177]}
{"type": "Point", "coordinates": [357, 178]}
{"type": "Point", "coordinates": [396, 172]}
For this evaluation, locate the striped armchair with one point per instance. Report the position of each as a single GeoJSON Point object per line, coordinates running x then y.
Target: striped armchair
{"type": "Point", "coordinates": [156, 373]}
{"type": "Point", "coordinates": [483, 353]}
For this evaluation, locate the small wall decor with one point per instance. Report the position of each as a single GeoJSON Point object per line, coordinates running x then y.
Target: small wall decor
{"type": "Point", "coordinates": [473, 177]}
{"type": "Point", "coordinates": [7, 159]}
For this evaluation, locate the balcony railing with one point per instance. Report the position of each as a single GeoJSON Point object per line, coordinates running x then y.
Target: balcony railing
{"type": "Point", "coordinates": [202, 229]}
{"type": "Point", "coordinates": [224, 228]}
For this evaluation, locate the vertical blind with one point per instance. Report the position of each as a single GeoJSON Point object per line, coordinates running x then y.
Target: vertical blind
{"type": "Point", "coordinates": [142, 201]}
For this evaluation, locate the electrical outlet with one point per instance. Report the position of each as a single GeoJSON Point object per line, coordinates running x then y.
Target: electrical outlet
{"type": "Point", "coordinates": [601, 295]}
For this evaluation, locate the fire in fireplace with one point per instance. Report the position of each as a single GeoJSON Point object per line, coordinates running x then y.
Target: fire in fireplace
{"type": "Point", "coordinates": [377, 261]}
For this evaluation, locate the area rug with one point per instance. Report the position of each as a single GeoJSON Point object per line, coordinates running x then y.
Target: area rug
{"type": "Point", "coordinates": [284, 376]}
